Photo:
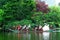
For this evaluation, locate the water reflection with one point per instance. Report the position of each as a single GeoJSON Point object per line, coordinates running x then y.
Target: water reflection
{"type": "Point", "coordinates": [26, 36]}
{"type": "Point", "coordinates": [30, 36]}
{"type": "Point", "coordinates": [46, 35]}
{"type": "Point", "coordinates": [19, 36]}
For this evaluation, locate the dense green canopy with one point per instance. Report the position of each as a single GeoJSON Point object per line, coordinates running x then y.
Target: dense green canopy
{"type": "Point", "coordinates": [24, 12]}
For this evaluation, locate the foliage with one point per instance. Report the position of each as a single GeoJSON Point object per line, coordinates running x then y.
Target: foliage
{"type": "Point", "coordinates": [14, 12]}
{"type": "Point", "coordinates": [38, 18]}
{"type": "Point", "coordinates": [1, 16]}
{"type": "Point", "coordinates": [52, 17]}
{"type": "Point", "coordinates": [41, 6]}
{"type": "Point", "coordinates": [55, 15]}
{"type": "Point", "coordinates": [17, 10]}
{"type": "Point", "coordinates": [22, 23]}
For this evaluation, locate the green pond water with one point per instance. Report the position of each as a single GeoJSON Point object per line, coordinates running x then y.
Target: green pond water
{"type": "Point", "coordinates": [30, 36]}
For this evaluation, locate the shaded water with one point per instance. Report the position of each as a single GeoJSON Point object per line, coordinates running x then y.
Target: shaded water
{"type": "Point", "coordinates": [30, 36]}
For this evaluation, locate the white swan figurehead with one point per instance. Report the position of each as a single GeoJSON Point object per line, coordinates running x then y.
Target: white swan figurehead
{"type": "Point", "coordinates": [46, 27]}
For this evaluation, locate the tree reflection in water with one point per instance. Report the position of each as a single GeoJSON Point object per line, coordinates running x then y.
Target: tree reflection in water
{"type": "Point", "coordinates": [26, 36]}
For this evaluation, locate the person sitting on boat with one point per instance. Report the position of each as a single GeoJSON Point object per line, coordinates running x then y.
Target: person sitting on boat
{"type": "Point", "coordinates": [27, 28]}
{"type": "Point", "coordinates": [40, 28]}
{"type": "Point", "coordinates": [36, 28]}
{"type": "Point", "coordinates": [24, 28]}
{"type": "Point", "coordinates": [19, 27]}
{"type": "Point", "coordinates": [51, 27]}
{"type": "Point", "coordinates": [13, 28]}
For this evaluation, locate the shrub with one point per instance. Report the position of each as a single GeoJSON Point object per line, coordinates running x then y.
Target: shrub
{"type": "Point", "coordinates": [22, 22]}
{"type": "Point", "coordinates": [42, 7]}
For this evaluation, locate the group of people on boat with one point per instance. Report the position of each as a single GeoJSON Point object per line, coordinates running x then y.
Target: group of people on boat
{"type": "Point", "coordinates": [46, 27]}
{"type": "Point", "coordinates": [36, 28]}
